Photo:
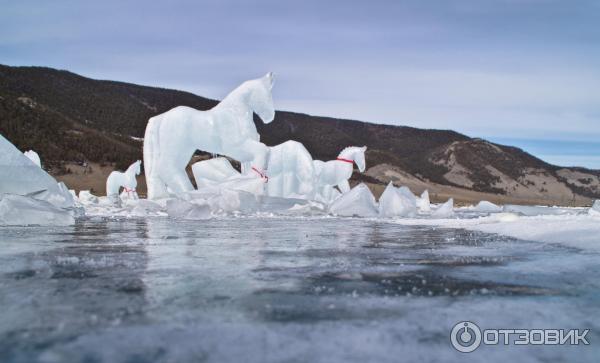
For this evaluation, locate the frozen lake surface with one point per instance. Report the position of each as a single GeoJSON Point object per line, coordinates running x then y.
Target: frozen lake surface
{"type": "Point", "coordinates": [279, 289]}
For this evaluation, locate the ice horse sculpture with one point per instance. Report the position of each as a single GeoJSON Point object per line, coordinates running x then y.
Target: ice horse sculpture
{"type": "Point", "coordinates": [337, 172]}
{"type": "Point", "coordinates": [227, 129]}
{"type": "Point", "coordinates": [127, 180]}
{"type": "Point", "coordinates": [291, 173]}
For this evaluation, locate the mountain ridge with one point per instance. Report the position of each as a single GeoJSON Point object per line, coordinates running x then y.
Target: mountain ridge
{"type": "Point", "coordinates": [70, 118]}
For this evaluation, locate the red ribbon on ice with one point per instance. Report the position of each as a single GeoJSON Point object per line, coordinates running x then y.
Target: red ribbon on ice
{"type": "Point", "coordinates": [345, 160]}
{"type": "Point", "coordinates": [262, 174]}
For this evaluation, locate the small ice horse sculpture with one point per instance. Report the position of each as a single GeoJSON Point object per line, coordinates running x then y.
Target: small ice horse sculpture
{"type": "Point", "coordinates": [127, 180]}
{"type": "Point", "coordinates": [227, 129]}
{"type": "Point", "coordinates": [338, 171]}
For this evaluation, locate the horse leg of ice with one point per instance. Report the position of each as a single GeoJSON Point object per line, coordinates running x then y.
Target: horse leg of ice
{"type": "Point", "coordinates": [252, 150]}
{"type": "Point", "coordinates": [181, 182]}
{"type": "Point", "coordinates": [326, 192]}
{"type": "Point", "coordinates": [156, 188]}
{"type": "Point", "coordinates": [274, 186]}
{"type": "Point", "coordinates": [178, 180]}
{"type": "Point", "coordinates": [344, 186]}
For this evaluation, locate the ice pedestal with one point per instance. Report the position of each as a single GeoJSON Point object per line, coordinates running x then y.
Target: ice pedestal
{"type": "Point", "coordinates": [445, 210]}
{"type": "Point", "coordinates": [396, 202]}
{"type": "Point", "coordinates": [22, 210]}
{"type": "Point", "coordinates": [301, 207]}
{"type": "Point", "coordinates": [359, 201]}
{"type": "Point", "coordinates": [231, 200]}
{"type": "Point", "coordinates": [487, 207]}
{"type": "Point", "coordinates": [183, 209]}
{"type": "Point", "coordinates": [144, 208]}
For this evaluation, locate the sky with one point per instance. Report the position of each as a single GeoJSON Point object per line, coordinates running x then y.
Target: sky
{"type": "Point", "coordinates": [522, 72]}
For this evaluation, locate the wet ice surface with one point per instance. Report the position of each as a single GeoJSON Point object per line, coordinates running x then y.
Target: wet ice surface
{"type": "Point", "coordinates": [277, 289]}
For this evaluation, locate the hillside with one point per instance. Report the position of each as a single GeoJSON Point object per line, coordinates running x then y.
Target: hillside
{"type": "Point", "coordinates": [70, 119]}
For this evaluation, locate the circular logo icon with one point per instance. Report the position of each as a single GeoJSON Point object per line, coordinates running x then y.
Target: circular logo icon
{"type": "Point", "coordinates": [465, 336]}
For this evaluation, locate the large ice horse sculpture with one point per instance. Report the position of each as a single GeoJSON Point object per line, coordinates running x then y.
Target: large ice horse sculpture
{"type": "Point", "coordinates": [227, 129]}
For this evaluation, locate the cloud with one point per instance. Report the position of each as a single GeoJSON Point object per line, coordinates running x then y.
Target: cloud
{"type": "Point", "coordinates": [499, 68]}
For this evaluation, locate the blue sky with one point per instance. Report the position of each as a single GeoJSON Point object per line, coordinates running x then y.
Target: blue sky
{"type": "Point", "coordinates": [524, 72]}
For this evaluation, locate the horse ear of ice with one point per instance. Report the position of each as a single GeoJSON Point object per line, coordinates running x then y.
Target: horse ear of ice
{"type": "Point", "coordinates": [270, 77]}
